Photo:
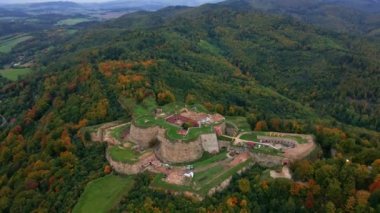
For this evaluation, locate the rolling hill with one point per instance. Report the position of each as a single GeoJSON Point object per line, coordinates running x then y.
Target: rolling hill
{"type": "Point", "coordinates": [285, 69]}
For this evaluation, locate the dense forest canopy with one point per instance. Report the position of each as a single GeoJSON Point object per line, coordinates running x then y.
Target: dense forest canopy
{"type": "Point", "coordinates": [280, 71]}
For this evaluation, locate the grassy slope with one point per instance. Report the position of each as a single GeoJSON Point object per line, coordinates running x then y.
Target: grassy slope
{"type": "Point", "coordinates": [72, 21]}
{"type": "Point", "coordinates": [123, 154]}
{"type": "Point", "coordinates": [14, 74]}
{"type": "Point", "coordinates": [240, 122]}
{"type": "Point", "coordinates": [118, 132]}
{"type": "Point", "coordinates": [8, 43]}
{"type": "Point", "coordinates": [102, 194]}
{"type": "Point", "coordinates": [203, 181]}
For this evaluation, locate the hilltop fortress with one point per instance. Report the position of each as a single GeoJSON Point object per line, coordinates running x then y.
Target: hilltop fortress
{"type": "Point", "coordinates": [184, 137]}
{"type": "Point", "coordinates": [192, 150]}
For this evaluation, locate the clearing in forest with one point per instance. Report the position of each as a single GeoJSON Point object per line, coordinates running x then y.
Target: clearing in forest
{"type": "Point", "coordinates": [14, 74]}
{"type": "Point", "coordinates": [72, 21]}
{"type": "Point", "coordinates": [102, 194]}
{"type": "Point", "coordinates": [9, 42]}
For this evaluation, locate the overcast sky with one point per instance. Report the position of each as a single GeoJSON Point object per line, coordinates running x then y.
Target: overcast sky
{"type": "Point", "coordinates": [81, 1]}
{"type": "Point", "coordinates": [29, 1]}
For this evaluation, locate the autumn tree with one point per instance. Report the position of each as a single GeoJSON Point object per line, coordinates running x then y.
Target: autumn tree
{"type": "Point", "coordinates": [190, 99]}
{"type": "Point", "coordinates": [244, 185]}
{"type": "Point", "coordinates": [165, 97]}
{"type": "Point", "coordinates": [219, 108]}
{"type": "Point", "coordinates": [261, 126]}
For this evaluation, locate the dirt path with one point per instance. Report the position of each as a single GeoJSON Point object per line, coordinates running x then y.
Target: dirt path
{"type": "Point", "coordinates": [301, 150]}
{"type": "Point", "coordinates": [285, 173]}
{"type": "Point", "coordinates": [298, 152]}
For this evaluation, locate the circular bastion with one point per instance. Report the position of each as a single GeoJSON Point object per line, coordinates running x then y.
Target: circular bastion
{"type": "Point", "coordinates": [178, 151]}
{"type": "Point", "coordinates": [143, 136]}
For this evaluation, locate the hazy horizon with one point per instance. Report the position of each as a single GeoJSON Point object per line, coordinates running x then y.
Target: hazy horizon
{"type": "Point", "coordinates": [96, 1]}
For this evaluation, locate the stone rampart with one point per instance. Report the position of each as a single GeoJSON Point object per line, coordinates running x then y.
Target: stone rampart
{"type": "Point", "coordinates": [268, 160]}
{"type": "Point", "coordinates": [210, 143]}
{"type": "Point", "coordinates": [143, 136]}
{"type": "Point", "coordinates": [124, 168]}
{"type": "Point", "coordinates": [178, 151]}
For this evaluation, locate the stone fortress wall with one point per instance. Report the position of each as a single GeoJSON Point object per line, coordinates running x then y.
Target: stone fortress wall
{"type": "Point", "coordinates": [276, 140]}
{"type": "Point", "coordinates": [210, 143]}
{"type": "Point", "coordinates": [143, 136]}
{"type": "Point", "coordinates": [174, 151]}
{"type": "Point", "coordinates": [177, 151]}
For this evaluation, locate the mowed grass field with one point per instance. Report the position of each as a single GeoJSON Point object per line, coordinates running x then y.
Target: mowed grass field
{"type": "Point", "coordinates": [205, 180]}
{"type": "Point", "coordinates": [102, 194]}
{"type": "Point", "coordinates": [14, 74]}
{"type": "Point", "coordinates": [125, 155]}
{"type": "Point", "coordinates": [9, 42]}
{"type": "Point", "coordinates": [72, 21]}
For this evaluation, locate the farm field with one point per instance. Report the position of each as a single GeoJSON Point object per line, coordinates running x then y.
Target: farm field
{"type": "Point", "coordinates": [102, 194]}
{"type": "Point", "coordinates": [72, 21]}
{"type": "Point", "coordinates": [14, 74]}
{"type": "Point", "coordinates": [9, 42]}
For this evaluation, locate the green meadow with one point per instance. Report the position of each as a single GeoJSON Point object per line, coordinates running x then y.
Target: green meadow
{"type": "Point", "coordinates": [9, 42]}
{"type": "Point", "coordinates": [14, 74]}
{"type": "Point", "coordinates": [102, 194]}
{"type": "Point", "coordinates": [72, 21]}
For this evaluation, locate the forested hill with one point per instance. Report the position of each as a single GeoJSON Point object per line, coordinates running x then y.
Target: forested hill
{"type": "Point", "coordinates": [358, 16]}
{"type": "Point", "coordinates": [280, 72]}
{"type": "Point", "coordinates": [335, 74]}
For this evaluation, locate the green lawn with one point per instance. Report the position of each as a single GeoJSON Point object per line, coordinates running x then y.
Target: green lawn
{"type": "Point", "coordinates": [252, 136]}
{"type": "Point", "coordinates": [221, 176]}
{"type": "Point", "coordinates": [203, 177]}
{"type": "Point", "coordinates": [119, 131]}
{"type": "Point", "coordinates": [219, 157]}
{"type": "Point", "coordinates": [102, 194]}
{"type": "Point", "coordinates": [72, 21]}
{"type": "Point", "coordinates": [124, 155]}
{"type": "Point", "coordinates": [8, 43]}
{"type": "Point", "coordinates": [202, 181]}
{"type": "Point", "coordinates": [14, 74]}
{"type": "Point", "coordinates": [144, 118]}
{"type": "Point", "coordinates": [171, 130]}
